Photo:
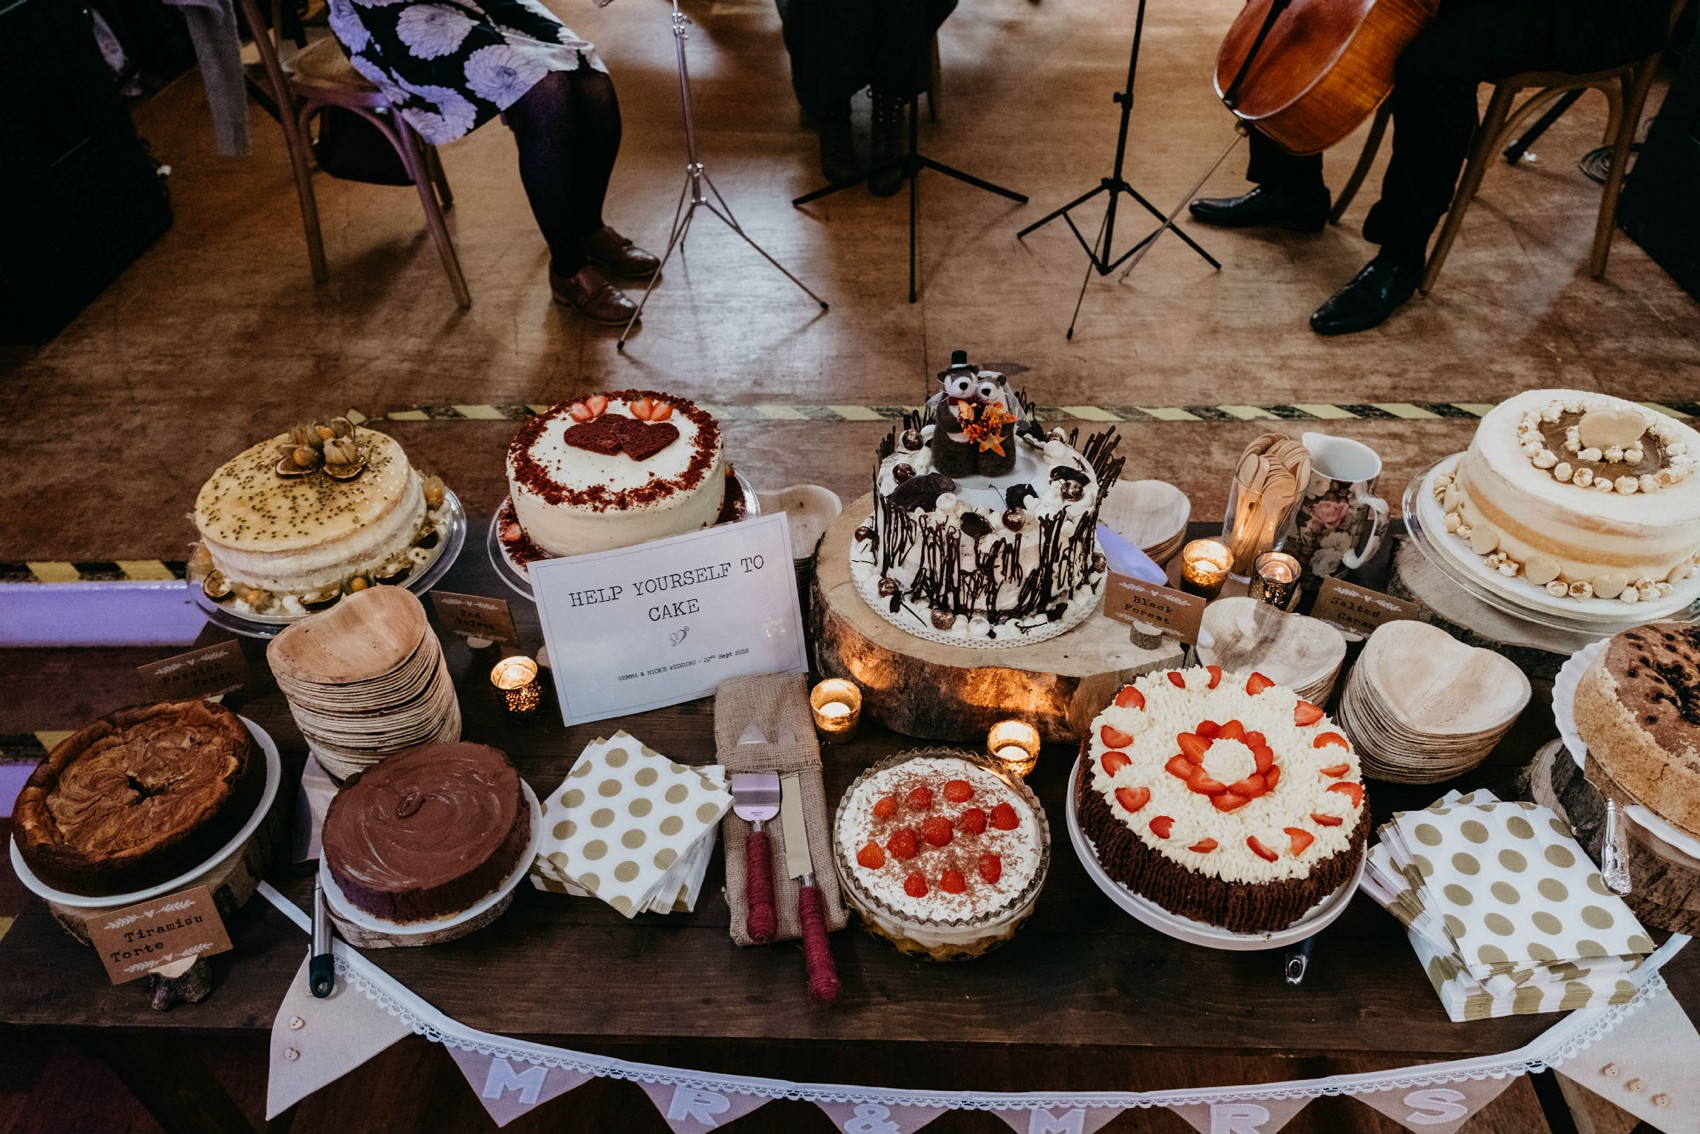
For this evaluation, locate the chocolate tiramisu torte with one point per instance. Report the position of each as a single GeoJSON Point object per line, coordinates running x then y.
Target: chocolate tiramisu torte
{"type": "Point", "coordinates": [428, 832]}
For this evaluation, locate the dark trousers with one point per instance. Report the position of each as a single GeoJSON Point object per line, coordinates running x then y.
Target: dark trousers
{"type": "Point", "coordinates": [1469, 42]}
{"type": "Point", "coordinates": [837, 47]}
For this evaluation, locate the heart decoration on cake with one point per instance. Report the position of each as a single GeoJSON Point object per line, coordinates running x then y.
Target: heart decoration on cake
{"type": "Point", "coordinates": [615, 433]}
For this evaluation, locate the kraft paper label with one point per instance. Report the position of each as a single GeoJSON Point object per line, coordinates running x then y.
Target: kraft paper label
{"type": "Point", "coordinates": [206, 672]}
{"type": "Point", "coordinates": [1360, 609]}
{"type": "Point", "coordinates": [138, 939]}
{"type": "Point", "coordinates": [1136, 602]}
{"type": "Point", "coordinates": [475, 616]}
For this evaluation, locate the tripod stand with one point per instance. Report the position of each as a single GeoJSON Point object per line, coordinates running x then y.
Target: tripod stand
{"type": "Point", "coordinates": [911, 164]}
{"type": "Point", "coordinates": [1098, 252]}
{"type": "Point", "coordinates": [692, 195]}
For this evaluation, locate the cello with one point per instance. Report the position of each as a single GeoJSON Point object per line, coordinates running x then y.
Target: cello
{"type": "Point", "coordinates": [1306, 73]}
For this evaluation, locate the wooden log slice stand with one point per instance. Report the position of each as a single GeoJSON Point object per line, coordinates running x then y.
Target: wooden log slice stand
{"type": "Point", "coordinates": [364, 937]}
{"type": "Point", "coordinates": [926, 689]}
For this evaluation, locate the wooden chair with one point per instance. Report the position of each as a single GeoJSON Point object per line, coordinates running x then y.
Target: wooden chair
{"type": "Point", "coordinates": [1625, 89]}
{"type": "Point", "coordinates": [320, 77]}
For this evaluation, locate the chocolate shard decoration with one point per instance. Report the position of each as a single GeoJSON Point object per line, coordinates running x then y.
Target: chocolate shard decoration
{"type": "Point", "coordinates": [1065, 472]}
{"type": "Point", "coordinates": [922, 492]}
{"type": "Point", "coordinates": [975, 526]}
{"type": "Point", "coordinates": [1015, 497]}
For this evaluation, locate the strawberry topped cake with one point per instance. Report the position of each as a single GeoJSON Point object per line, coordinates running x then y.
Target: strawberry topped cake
{"type": "Point", "coordinates": [1222, 797]}
{"type": "Point", "coordinates": [940, 854]}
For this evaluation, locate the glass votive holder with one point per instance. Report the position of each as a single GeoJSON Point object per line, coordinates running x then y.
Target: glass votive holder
{"type": "Point", "coordinates": [515, 680]}
{"type": "Point", "coordinates": [1205, 564]}
{"type": "Point", "coordinates": [1015, 746]}
{"type": "Point", "coordinates": [1275, 578]}
{"type": "Point", "coordinates": [837, 707]}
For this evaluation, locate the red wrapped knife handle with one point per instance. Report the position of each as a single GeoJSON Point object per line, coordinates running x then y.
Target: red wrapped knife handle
{"type": "Point", "coordinates": [760, 923]}
{"type": "Point", "coordinates": [823, 974]}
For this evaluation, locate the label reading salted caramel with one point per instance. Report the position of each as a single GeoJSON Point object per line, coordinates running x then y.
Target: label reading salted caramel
{"type": "Point", "coordinates": [1168, 611]}
{"type": "Point", "coordinates": [475, 616]}
{"type": "Point", "coordinates": [206, 672]}
{"type": "Point", "coordinates": [1360, 609]}
{"type": "Point", "coordinates": [167, 930]}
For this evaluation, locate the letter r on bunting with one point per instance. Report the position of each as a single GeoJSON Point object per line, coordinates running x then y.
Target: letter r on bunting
{"type": "Point", "coordinates": [1238, 1118]}
{"type": "Point", "coordinates": [698, 1106]}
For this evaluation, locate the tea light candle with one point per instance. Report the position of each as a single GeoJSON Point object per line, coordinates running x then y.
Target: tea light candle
{"type": "Point", "coordinates": [837, 706]}
{"type": "Point", "coordinates": [1204, 567]}
{"type": "Point", "coordinates": [1277, 577]}
{"type": "Point", "coordinates": [515, 679]}
{"type": "Point", "coordinates": [1016, 746]}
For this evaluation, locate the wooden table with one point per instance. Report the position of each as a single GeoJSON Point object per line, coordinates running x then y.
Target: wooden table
{"type": "Point", "coordinates": [1083, 998]}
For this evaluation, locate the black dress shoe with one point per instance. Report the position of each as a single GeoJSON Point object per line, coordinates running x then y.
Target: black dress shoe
{"type": "Point", "coordinates": [837, 151]}
{"type": "Point", "coordinates": [1266, 205]}
{"type": "Point", "coordinates": [1373, 295]}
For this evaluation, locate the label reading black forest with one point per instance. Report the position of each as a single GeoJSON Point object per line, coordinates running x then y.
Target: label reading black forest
{"type": "Point", "coordinates": [1134, 601]}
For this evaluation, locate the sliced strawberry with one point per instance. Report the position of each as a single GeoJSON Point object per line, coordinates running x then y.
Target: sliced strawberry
{"type": "Point", "coordinates": [885, 807]}
{"type": "Point", "coordinates": [871, 856]}
{"type": "Point", "coordinates": [1204, 783]}
{"type": "Point", "coordinates": [1233, 730]}
{"type": "Point", "coordinates": [1305, 713]}
{"type": "Point", "coordinates": [991, 868]}
{"type": "Point", "coordinates": [597, 404]}
{"type": "Point", "coordinates": [1215, 676]}
{"type": "Point", "coordinates": [972, 821]}
{"type": "Point", "coordinates": [1251, 787]}
{"type": "Point", "coordinates": [1229, 801]}
{"type": "Point", "coordinates": [1004, 817]}
{"type": "Point", "coordinates": [1330, 738]}
{"type": "Point", "coordinates": [1176, 679]}
{"type": "Point", "coordinates": [1326, 819]}
{"type": "Point", "coordinates": [1257, 683]}
{"type": "Point", "coordinates": [1335, 771]}
{"type": "Point", "coordinates": [1133, 798]}
{"type": "Point", "coordinates": [1259, 849]}
{"type": "Point", "coordinates": [1208, 729]}
{"type": "Point", "coordinates": [958, 791]}
{"type": "Point", "coordinates": [937, 830]}
{"type": "Point", "coordinates": [1298, 839]}
{"type": "Point", "coordinates": [1130, 698]}
{"type": "Point", "coordinates": [1253, 739]}
{"type": "Point", "coordinates": [1352, 791]}
{"type": "Point", "coordinates": [1161, 826]}
{"type": "Point", "coordinates": [1193, 747]}
{"type": "Point", "coordinates": [1114, 737]}
{"type": "Point", "coordinates": [640, 409]}
{"type": "Point", "coordinates": [1264, 755]}
{"type": "Point", "coordinates": [915, 885]}
{"type": "Point", "coordinates": [952, 882]}
{"type": "Point", "coordinates": [1180, 767]}
{"type": "Point", "coordinates": [1272, 777]}
{"type": "Point", "coordinates": [919, 798]}
{"type": "Point", "coordinates": [580, 412]}
{"type": "Point", "coordinates": [1204, 846]}
{"type": "Point", "coordinates": [1114, 761]}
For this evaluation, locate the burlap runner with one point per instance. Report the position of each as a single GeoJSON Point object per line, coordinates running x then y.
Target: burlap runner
{"type": "Point", "coordinates": [777, 705]}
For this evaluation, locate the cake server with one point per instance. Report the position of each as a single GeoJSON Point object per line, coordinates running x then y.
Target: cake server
{"type": "Point", "coordinates": [321, 965]}
{"type": "Point", "coordinates": [811, 910]}
{"type": "Point", "coordinates": [755, 800]}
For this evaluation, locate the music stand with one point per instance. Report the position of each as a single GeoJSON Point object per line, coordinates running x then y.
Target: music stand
{"type": "Point", "coordinates": [696, 178]}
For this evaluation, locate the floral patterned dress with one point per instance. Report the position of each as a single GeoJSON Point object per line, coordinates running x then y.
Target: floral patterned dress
{"type": "Point", "coordinates": [449, 66]}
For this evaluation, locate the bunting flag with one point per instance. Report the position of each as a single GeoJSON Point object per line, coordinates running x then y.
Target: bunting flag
{"type": "Point", "coordinates": [1059, 1119]}
{"type": "Point", "coordinates": [691, 1110]}
{"type": "Point", "coordinates": [510, 1088]}
{"type": "Point", "coordinates": [316, 1042]}
{"type": "Point", "coordinates": [878, 1117]}
{"type": "Point", "coordinates": [1436, 1110]}
{"type": "Point", "coordinates": [1646, 1065]}
{"type": "Point", "coordinates": [1240, 1116]}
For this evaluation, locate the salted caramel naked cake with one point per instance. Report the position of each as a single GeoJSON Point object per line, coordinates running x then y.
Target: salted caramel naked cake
{"type": "Point", "coordinates": [428, 832]}
{"type": "Point", "coordinates": [616, 469]}
{"type": "Point", "coordinates": [139, 797]}
{"type": "Point", "coordinates": [1583, 494]}
{"type": "Point", "coordinates": [1638, 710]}
{"type": "Point", "coordinates": [281, 533]}
{"type": "Point", "coordinates": [1222, 797]}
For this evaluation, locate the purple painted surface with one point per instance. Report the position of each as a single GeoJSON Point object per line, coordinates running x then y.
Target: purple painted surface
{"type": "Point", "coordinates": [12, 777]}
{"type": "Point", "coordinates": [98, 614]}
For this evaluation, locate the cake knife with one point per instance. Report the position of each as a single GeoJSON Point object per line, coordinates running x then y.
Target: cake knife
{"type": "Point", "coordinates": [811, 909]}
{"type": "Point", "coordinates": [321, 965]}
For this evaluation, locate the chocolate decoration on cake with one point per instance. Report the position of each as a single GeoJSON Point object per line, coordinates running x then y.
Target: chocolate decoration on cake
{"type": "Point", "coordinates": [921, 492]}
{"type": "Point", "coordinates": [613, 434]}
{"type": "Point", "coordinates": [1016, 496]}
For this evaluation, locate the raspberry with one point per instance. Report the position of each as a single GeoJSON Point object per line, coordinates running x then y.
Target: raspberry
{"type": "Point", "coordinates": [936, 830]}
{"type": "Point", "coordinates": [903, 843]}
{"type": "Point", "coordinates": [915, 885]}
{"type": "Point", "coordinates": [972, 821]}
{"type": "Point", "coordinates": [871, 856]}
{"type": "Point", "coordinates": [1004, 817]}
{"type": "Point", "coordinates": [953, 882]}
{"type": "Point", "coordinates": [919, 799]}
{"type": "Point", "coordinates": [958, 791]}
{"type": "Point", "coordinates": [886, 807]}
{"type": "Point", "coordinates": [991, 868]}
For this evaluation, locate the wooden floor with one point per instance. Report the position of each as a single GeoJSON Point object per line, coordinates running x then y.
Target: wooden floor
{"type": "Point", "coordinates": [216, 337]}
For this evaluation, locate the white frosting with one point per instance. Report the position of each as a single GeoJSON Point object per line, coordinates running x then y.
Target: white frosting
{"type": "Point", "coordinates": [1301, 789]}
{"type": "Point", "coordinates": [568, 528]}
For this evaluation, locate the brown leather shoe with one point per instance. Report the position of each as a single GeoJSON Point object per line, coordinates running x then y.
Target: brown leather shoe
{"type": "Point", "coordinates": [593, 295]}
{"type": "Point", "coordinates": [618, 256]}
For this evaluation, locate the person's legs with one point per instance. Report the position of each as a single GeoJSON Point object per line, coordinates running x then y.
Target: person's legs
{"type": "Point", "coordinates": [900, 63]}
{"type": "Point", "coordinates": [819, 35]}
{"type": "Point", "coordinates": [544, 121]}
{"type": "Point", "coordinates": [1288, 192]}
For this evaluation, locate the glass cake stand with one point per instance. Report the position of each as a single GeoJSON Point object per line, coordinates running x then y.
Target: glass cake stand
{"type": "Point", "coordinates": [1453, 559]}
{"type": "Point", "coordinates": [420, 580]}
{"type": "Point", "coordinates": [739, 503]}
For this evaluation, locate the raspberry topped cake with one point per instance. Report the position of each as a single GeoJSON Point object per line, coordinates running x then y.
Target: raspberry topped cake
{"type": "Point", "coordinates": [940, 854]}
{"type": "Point", "coordinates": [1222, 797]}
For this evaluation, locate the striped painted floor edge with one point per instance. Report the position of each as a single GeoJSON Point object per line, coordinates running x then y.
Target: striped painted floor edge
{"type": "Point", "coordinates": [28, 747]}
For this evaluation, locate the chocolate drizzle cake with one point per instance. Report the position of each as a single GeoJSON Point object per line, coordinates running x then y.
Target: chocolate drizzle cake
{"type": "Point", "coordinates": [139, 797]}
{"type": "Point", "coordinates": [428, 832]}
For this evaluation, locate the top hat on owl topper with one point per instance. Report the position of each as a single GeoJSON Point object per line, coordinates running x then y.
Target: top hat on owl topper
{"type": "Point", "coordinates": [975, 414]}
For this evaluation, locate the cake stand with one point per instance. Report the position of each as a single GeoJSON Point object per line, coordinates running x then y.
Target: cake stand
{"type": "Point", "coordinates": [366, 931]}
{"type": "Point", "coordinates": [232, 874]}
{"type": "Point", "coordinates": [421, 579]}
{"type": "Point", "coordinates": [741, 502]}
{"type": "Point", "coordinates": [941, 691]}
{"type": "Point", "coordinates": [1144, 910]}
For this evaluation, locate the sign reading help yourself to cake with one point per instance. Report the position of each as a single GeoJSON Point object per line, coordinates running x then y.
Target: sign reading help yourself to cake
{"type": "Point", "coordinates": [638, 628]}
{"type": "Point", "coordinates": [136, 940]}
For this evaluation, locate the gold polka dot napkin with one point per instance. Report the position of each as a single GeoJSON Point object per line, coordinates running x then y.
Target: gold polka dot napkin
{"type": "Point", "coordinates": [631, 827]}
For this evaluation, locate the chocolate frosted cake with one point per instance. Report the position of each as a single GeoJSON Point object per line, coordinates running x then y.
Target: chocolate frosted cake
{"type": "Point", "coordinates": [1222, 798]}
{"type": "Point", "coordinates": [139, 797]}
{"type": "Point", "coordinates": [1638, 710]}
{"type": "Point", "coordinates": [428, 832]}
